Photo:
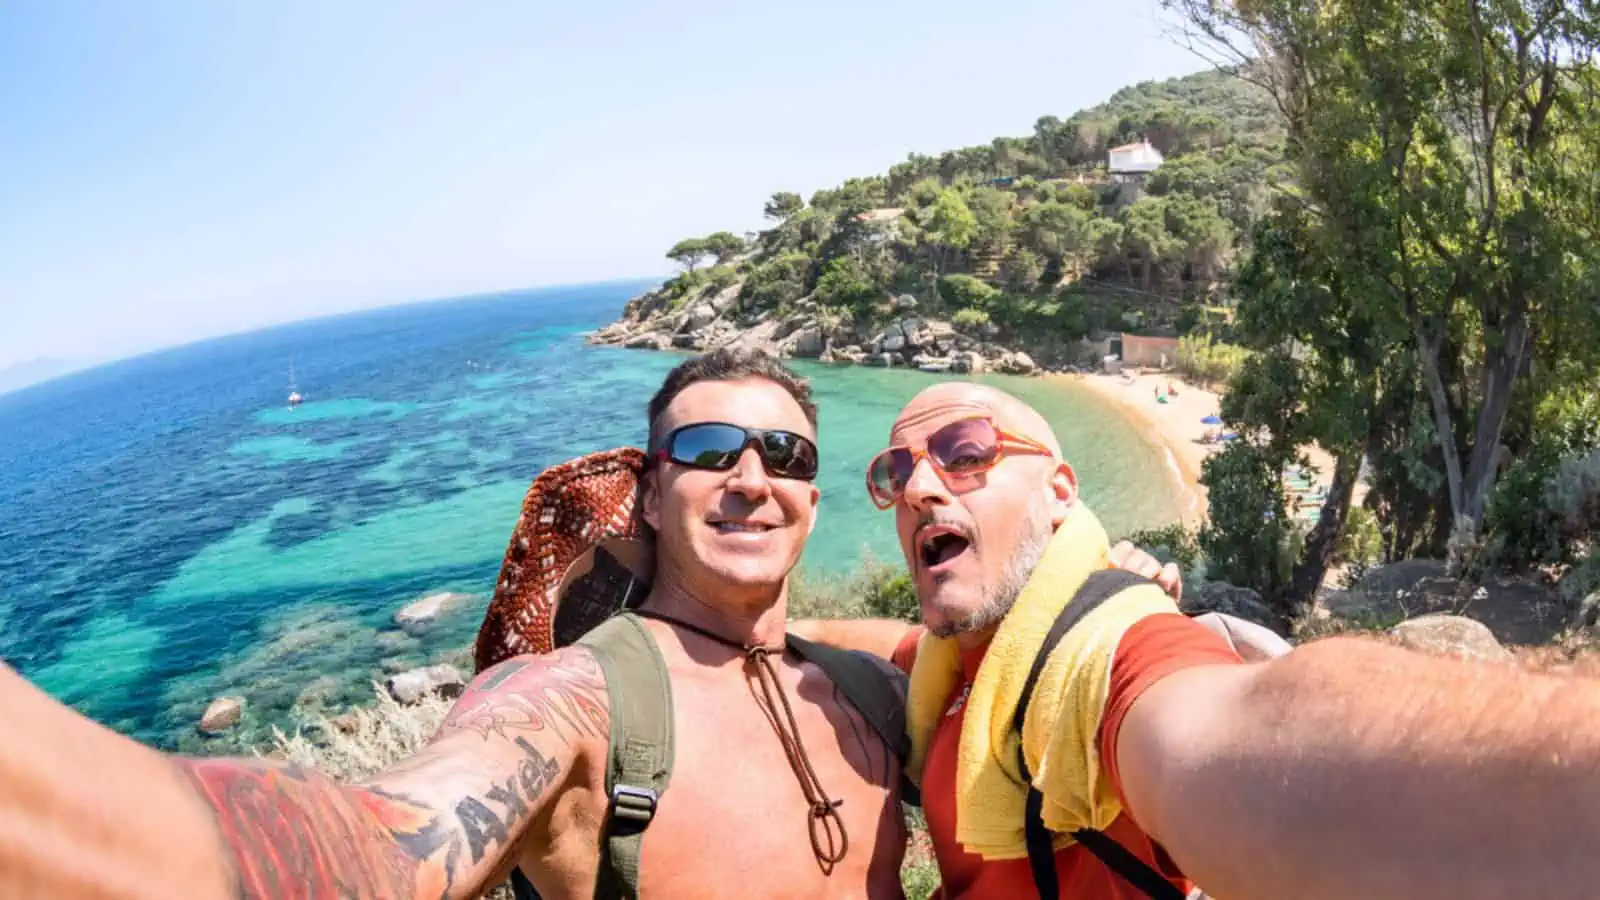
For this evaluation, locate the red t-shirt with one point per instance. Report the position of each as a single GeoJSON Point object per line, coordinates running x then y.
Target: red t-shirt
{"type": "Point", "coordinates": [1151, 649]}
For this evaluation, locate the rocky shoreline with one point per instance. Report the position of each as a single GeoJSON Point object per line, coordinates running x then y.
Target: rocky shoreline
{"type": "Point", "coordinates": [910, 339]}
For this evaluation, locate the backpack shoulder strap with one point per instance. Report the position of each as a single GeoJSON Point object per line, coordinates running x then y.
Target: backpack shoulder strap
{"type": "Point", "coordinates": [640, 694]}
{"type": "Point", "coordinates": [1096, 590]}
{"type": "Point", "coordinates": [875, 688]}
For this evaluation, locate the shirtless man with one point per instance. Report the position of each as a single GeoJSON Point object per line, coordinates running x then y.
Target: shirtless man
{"type": "Point", "coordinates": [515, 776]}
{"type": "Point", "coordinates": [1347, 768]}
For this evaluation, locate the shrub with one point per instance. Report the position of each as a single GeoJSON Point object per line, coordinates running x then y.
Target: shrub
{"type": "Point", "coordinates": [969, 318]}
{"type": "Point", "coordinates": [875, 590]}
{"type": "Point", "coordinates": [1202, 359]}
{"type": "Point", "coordinates": [1360, 543]}
{"type": "Point", "coordinates": [963, 291]}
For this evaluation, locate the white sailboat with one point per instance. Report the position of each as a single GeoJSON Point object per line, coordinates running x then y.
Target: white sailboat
{"type": "Point", "coordinates": [294, 395]}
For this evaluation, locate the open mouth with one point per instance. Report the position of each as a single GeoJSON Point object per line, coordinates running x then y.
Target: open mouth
{"type": "Point", "coordinates": [940, 545]}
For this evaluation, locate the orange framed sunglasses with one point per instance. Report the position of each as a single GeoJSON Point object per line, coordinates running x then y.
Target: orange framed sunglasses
{"type": "Point", "coordinates": [961, 449]}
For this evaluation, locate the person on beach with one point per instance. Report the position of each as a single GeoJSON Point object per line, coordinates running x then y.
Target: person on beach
{"type": "Point", "coordinates": [1074, 734]}
{"type": "Point", "coordinates": [782, 783]}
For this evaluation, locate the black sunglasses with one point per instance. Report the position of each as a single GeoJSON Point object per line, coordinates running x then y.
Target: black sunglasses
{"type": "Point", "coordinates": [718, 445]}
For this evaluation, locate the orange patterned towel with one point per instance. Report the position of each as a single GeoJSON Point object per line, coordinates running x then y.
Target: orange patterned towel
{"type": "Point", "coordinates": [578, 555]}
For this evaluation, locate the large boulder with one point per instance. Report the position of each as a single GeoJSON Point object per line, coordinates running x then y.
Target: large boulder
{"type": "Point", "coordinates": [967, 362]}
{"type": "Point", "coordinates": [1015, 363]}
{"type": "Point", "coordinates": [807, 342]}
{"type": "Point", "coordinates": [700, 315]}
{"type": "Point", "coordinates": [413, 685]}
{"type": "Point", "coordinates": [1239, 602]}
{"type": "Point", "coordinates": [1453, 636]}
{"type": "Point", "coordinates": [221, 715]}
{"type": "Point", "coordinates": [420, 613]}
{"type": "Point", "coordinates": [725, 299]}
{"type": "Point", "coordinates": [648, 341]}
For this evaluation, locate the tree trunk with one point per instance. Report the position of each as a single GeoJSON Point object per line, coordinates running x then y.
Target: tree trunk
{"type": "Point", "coordinates": [1324, 538]}
{"type": "Point", "coordinates": [1428, 350]}
{"type": "Point", "coordinates": [1499, 377]}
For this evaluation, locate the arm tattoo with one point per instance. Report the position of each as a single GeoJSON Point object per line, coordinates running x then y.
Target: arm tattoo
{"type": "Point", "coordinates": [290, 830]}
{"type": "Point", "coordinates": [571, 704]}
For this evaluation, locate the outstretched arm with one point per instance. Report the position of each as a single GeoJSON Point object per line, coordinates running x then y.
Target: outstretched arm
{"type": "Point", "coordinates": [89, 813]}
{"type": "Point", "coordinates": [1349, 768]}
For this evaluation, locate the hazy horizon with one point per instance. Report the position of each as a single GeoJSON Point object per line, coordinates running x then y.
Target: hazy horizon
{"type": "Point", "coordinates": [188, 171]}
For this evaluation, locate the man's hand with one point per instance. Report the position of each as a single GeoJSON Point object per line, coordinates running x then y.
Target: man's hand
{"type": "Point", "coordinates": [449, 822]}
{"type": "Point", "coordinates": [1126, 556]}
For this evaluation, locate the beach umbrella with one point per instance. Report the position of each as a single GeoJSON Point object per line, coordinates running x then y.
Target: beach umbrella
{"type": "Point", "coordinates": [1211, 420]}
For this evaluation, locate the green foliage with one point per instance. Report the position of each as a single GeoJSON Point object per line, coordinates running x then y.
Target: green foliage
{"type": "Point", "coordinates": [1170, 543]}
{"type": "Point", "coordinates": [777, 282]}
{"type": "Point", "coordinates": [874, 590]}
{"type": "Point", "coordinates": [1031, 215]}
{"type": "Point", "coordinates": [1202, 359]}
{"type": "Point", "coordinates": [689, 252]}
{"type": "Point", "coordinates": [969, 318]}
{"type": "Point", "coordinates": [783, 205]}
{"type": "Point", "coordinates": [1249, 539]}
{"type": "Point", "coordinates": [1360, 542]}
{"type": "Point", "coordinates": [1444, 157]}
{"type": "Point", "coordinates": [844, 284]}
{"type": "Point", "coordinates": [964, 292]}
{"type": "Point", "coordinates": [724, 245]}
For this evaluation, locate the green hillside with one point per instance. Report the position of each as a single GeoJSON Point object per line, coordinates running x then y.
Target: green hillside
{"type": "Point", "coordinates": [1030, 233]}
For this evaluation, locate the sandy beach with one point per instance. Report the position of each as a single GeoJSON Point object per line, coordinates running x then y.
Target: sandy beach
{"type": "Point", "coordinates": [1175, 425]}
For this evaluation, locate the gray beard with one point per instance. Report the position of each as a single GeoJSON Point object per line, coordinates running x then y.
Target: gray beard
{"type": "Point", "coordinates": [1035, 537]}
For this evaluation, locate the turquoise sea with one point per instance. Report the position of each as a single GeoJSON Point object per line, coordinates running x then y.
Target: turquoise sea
{"type": "Point", "coordinates": [171, 531]}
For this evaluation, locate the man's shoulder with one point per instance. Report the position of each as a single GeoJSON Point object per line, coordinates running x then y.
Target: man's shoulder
{"type": "Point", "coordinates": [524, 689]}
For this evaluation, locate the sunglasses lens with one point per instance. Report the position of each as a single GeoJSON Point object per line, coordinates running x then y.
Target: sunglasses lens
{"type": "Point", "coordinates": [714, 445]}
{"type": "Point", "coordinates": [888, 475]}
{"type": "Point", "coordinates": [789, 455]}
{"type": "Point", "coordinates": [965, 446]}
{"type": "Point", "coordinates": [708, 446]}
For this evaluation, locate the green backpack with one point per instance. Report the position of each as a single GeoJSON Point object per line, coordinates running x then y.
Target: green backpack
{"type": "Point", "coordinates": [642, 744]}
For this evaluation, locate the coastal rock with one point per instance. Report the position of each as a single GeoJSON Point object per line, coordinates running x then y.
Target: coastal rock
{"type": "Point", "coordinates": [412, 686]}
{"type": "Point", "coordinates": [221, 715]}
{"type": "Point", "coordinates": [886, 360]}
{"type": "Point", "coordinates": [649, 341]}
{"type": "Point", "coordinates": [699, 316]}
{"type": "Point", "coordinates": [1453, 636]}
{"type": "Point", "coordinates": [725, 299]}
{"type": "Point", "coordinates": [807, 342]}
{"type": "Point", "coordinates": [967, 363]}
{"type": "Point", "coordinates": [423, 612]}
{"type": "Point", "coordinates": [1239, 602]}
{"type": "Point", "coordinates": [892, 342]}
{"type": "Point", "coordinates": [1015, 363]}
{"type": "Point", "coordinates": [905, 301]}
{"type": "Point", "coordinates": [761, 336]}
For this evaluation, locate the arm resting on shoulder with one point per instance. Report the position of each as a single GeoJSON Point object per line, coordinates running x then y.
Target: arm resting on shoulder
{"type": "Point", "coordinates": [1350, 768]}
{"type": "Point", "coordinates": [90, 813]}
{"type": "Point", "coordinates": [879, 637]}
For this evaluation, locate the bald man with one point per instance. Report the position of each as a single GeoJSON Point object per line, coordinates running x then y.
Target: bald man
{"type": "Point", "coordinates": [1344, 769]}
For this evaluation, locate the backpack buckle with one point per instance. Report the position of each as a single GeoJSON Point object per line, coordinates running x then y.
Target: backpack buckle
{"type": "Point", "coordinates": [632, 807]}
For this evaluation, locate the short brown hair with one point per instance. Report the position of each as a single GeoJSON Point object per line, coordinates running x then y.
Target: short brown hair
{"type": "Point", "coordinates": [730, 364]}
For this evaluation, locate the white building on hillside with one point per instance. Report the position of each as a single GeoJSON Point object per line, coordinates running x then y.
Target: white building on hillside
{"type": "Point", "coordinates": [1134, 159]}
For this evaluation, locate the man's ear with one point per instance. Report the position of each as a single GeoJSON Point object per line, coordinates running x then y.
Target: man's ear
{"type": "Point", "coordinates": [1063, 492]}
{"type": "Point", "coordinates": [816, 509]}
{"type": "Point", "coordinates": [650, 500]}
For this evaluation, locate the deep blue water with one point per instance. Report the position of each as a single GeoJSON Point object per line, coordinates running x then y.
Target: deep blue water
{"type": "Point", "coordinates": [171, 531]}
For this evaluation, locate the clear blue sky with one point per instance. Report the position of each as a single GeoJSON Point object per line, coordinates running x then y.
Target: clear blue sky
{"type": "Point", "coordinates": [174, 170]}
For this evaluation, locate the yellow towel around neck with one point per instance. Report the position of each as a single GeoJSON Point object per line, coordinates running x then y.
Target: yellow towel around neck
{"type": "Point", "coordinates": [1061, 733]}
